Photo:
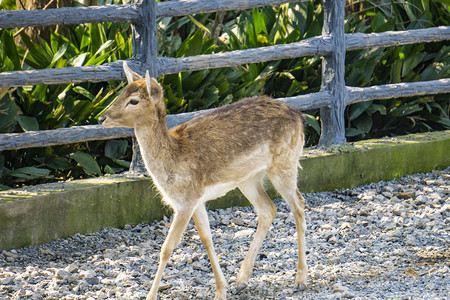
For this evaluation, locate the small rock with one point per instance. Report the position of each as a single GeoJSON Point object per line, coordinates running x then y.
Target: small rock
{"type": "Point", "coordinates": [87, 274]}
{"type": "Point", "coordinates": [333, 240]}
{"type": "Point", "coordinates": [238, 221]}
{"type": "Point", "coordinates": [406, 195]}
{"type": "Point", "coordinates": [72, 268]}
{"type": "Point", "coordinates": [387, 194]}
{"type": "Point", "coordinates": [421, 225]}
{"type": "Point", "coordinates": [225, 221]}
{"type": "Point", "coordinates": [243, 233]}
{"type": "Point", "coordinates": [388, 264]}
{"type": "Point", "coordinates": [92, 280]}
{"type": "Point", "coordinates": [63, 274]}
{"type": "Point", "coordinates": [410, 240]}
{"type": "Point", "coordinates": [339, 288]}
{"type": "Point", "coordinates": [145, 230]}
{"type": "Point", "coordinates": [7, 281]}
{"type": "Point", "coordinates": [9, 254]}
{"type": "Point", "coordinates": [421, 199]}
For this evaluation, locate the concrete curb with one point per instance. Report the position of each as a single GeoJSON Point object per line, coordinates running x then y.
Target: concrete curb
{"type": "Point", "coordinates": [43, 213]}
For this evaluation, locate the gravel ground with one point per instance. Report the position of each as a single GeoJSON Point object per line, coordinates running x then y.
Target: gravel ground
{"type": "Point", "coordinates": [382, 240]}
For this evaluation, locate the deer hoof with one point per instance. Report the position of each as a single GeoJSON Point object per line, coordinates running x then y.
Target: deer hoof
{"type": "Point", "coordinates": [240, 287]}
{"type": "Point", "coordinates": [300, 287]}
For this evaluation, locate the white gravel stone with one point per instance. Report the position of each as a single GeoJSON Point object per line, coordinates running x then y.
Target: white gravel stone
{"type": "Point", "coordinates": [362, 243]}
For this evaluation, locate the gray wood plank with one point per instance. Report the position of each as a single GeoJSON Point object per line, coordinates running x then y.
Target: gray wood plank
{"type": "Point", "coordinates": [168, 65]}
{"type": "Point", "coordinates": [190, 7]}
{"type": "Point", "coordinates": [77, 134]}
{"type": "Point", "coordinates": [122, 13]}
{"type": "Point", "coordinates": [69, 15]}
{"type": "Point", "coordinates": [389, 91]}
{"type": "Point", "coordinates": [333, 74]}
{"type": "Point", "coordinates": [356, 41]}
{"type": "Point", "coordinates": [309, 101]}
{"type": "Point", "coordinates": [307, 47]}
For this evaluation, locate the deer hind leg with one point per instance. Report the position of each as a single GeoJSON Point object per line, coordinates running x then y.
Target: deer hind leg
{"type": "Point", "coordinates": [202, 223]}
{"type": "Point", "coordinates": [285, 182]}
{"type": "Point", "coordinates": [254, 191]}
{"type": "Point", "coordinates": [179, 224]}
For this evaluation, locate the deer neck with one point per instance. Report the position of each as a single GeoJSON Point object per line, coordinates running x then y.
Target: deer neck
{"type": "Point", "coordinates": [157, 148]}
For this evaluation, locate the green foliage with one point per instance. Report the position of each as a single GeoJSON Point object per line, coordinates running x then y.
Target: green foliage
{"type": "Point", "coordinates": [56, 106]}
{"type": "Point", "coordinates": [408, 63]}
{"type": "Point", "coordinates": [43, 107]}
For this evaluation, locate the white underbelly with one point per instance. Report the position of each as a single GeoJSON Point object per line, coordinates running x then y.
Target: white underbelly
{"type": "Point", "coordinates": [212, 192]}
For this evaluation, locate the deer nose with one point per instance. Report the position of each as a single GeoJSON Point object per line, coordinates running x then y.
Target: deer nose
{"type": "Point", "coordinates": [101, 119]}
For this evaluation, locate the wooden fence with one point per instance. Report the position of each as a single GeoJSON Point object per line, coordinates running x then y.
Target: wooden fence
{"type": "Point", "coordinates": [332, 45]}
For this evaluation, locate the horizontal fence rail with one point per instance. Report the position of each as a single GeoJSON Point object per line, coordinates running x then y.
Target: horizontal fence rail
{"type": "Point", "coordinates": [122, 13]}
{"type": "Point", "coordinates": [76, 134]}
{"type": "Point", "coordinates": [358, 41]}
{"type": "Point", "coordinates": [386, 91]}
{"type": "Point", "coordinates": [70, 15]}
{"type": "Point", "coordinates": [167, 65]}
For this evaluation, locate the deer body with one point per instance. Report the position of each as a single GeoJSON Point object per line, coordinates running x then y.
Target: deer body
{"type": "Point", "coordinates": [202, 159]}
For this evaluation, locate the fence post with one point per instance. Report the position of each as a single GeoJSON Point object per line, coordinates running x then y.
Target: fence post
{"type": "Point", "coordinates": [145, 51]}
{"type": "Point", "coordinates": [333, 74]}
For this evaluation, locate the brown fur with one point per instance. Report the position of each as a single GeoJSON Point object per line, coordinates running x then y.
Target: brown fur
{"type": "Point", "coordinates": [202, 159]}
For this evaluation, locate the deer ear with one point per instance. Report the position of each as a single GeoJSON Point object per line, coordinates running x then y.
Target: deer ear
{"type": "Point", "coordinates": [148, 83]}
{"type": "Point", "coordinates": [131, 76]}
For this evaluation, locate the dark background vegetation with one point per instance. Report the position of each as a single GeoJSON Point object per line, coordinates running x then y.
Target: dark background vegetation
{"type": "Point", "coordinates": [54, 106]}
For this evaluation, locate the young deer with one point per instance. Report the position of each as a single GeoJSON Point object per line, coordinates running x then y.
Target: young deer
{"type": "Point", "coordinates": [200, 160]}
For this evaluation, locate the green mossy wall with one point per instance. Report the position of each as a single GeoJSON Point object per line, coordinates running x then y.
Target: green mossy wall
{"type": "Point", "coordinates": [42, 214]}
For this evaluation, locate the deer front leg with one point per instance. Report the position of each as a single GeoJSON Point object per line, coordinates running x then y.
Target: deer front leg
{"type": "Point", "coordinates": [202, 223]}
{"type": "Point", "coordinates": [179, 224]}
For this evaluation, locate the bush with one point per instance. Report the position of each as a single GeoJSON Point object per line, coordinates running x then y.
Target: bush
{"type": "Point", "coordinates": [55, 106]}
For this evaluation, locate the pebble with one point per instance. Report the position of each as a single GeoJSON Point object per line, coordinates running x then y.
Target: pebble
{"type": "Point", "coordinates": [383, 240]}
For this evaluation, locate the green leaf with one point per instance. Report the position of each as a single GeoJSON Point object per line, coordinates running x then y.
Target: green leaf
{"type": "Point", "coordinates": [364, 123]}
{"type": "Point", "coordinates": [78, 60]}
{"type": "Point", "coordinates": [109, 170]}
{"type": "Point", "coordinates": [29, 173]}
{"type": "Point", "coordinates": [8, 47]}
{"type": "Point", "coordinates": [59, 163]}
{"type": "Point", "coordinates": [61, 51]}
{"type": "Point", "coordinates": [116, 148]}
{"type": "Point", "coordinates": [357, 109]}
{"type": "Point", "coordinates": [445, 121]}
{"type": "Point", "coordinates": [211, 95]}
{"type": "Point", "coordinates": [411, 62]}
{"type": "Point", "coordinates": [406, 109]}
{"type": "Point", "coordinates": [104, 46]}
{"type": "Point", "coordinates": [376, 108]}
{"type": "Point", "coordinates": [122, 163]}
{"type": "Point", "coordinates": [87, 162]}
{"type": "Point", "coordinates": [311, 120]}
{"type": "Point", "coordinates": [351, 132]}
{"type": "Point", "coordinates": [199, 25]}
{"type": "Point", "coordinates": [192, 45]}
{"type": "Point", "coordinates": [82, 91]}
{"type": "Point", "coordinates": [37, 52]}
{"type": "Point", "coordinates": [4, 187]}
{"type": "Point", "coordinates": [258, 21]}
{"type": "Point", "coordinates": [8, 112]}
{"type": "Point", "coordinates": [28, 123]}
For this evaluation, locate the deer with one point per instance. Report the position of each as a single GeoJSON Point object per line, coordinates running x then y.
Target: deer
{"type": "Point", "coordinates": [234, 146]}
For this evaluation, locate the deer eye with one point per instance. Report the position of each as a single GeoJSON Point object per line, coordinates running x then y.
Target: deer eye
{"type": "Point", "coordinates": [133, 102]}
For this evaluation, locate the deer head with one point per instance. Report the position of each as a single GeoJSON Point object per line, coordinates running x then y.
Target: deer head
{"type": "Point", "coordinates": [142, 101]}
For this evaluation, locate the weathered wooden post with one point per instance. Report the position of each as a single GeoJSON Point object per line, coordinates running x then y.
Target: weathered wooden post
{"type": "Point", "coordinates": [145, 51]}
{"type": "Point", "coordinates": [333, 74]}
